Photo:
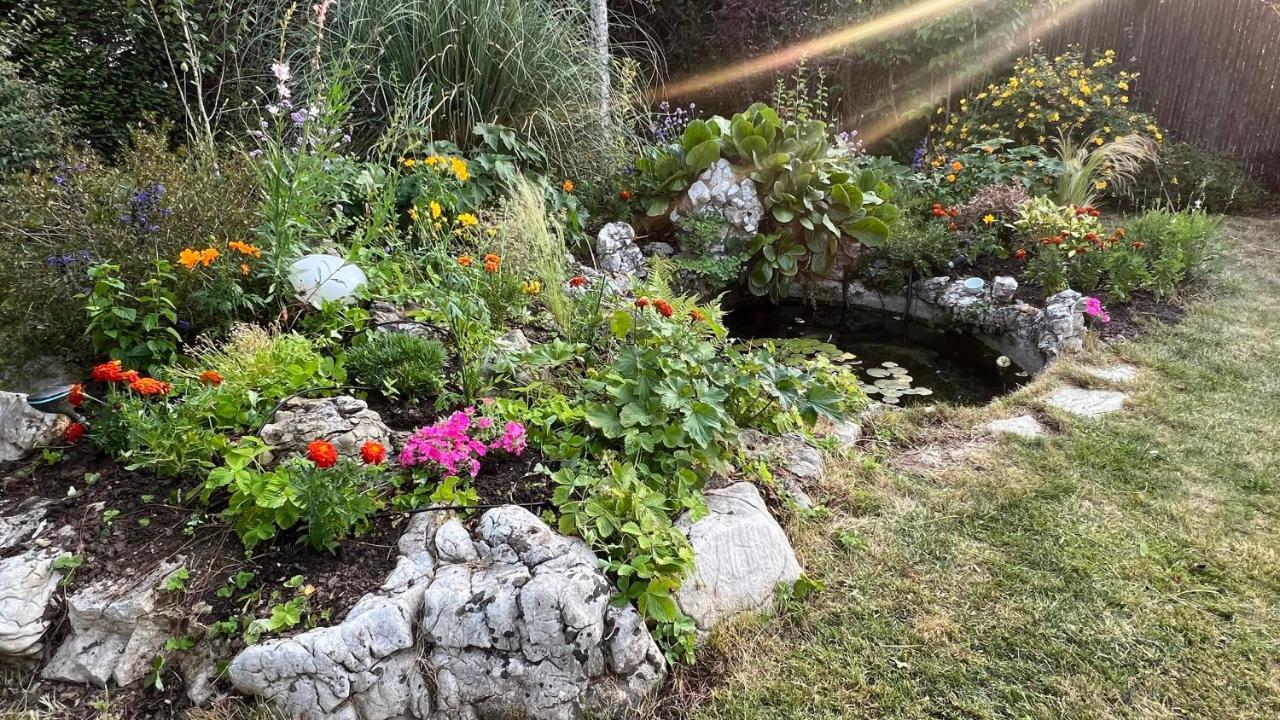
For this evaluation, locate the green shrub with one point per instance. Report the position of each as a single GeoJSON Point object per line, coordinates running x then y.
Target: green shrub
{"type": "Point", "coordinates": [400, 364]}
{"type": "Point", "coordinates": [1072, 95]}
{"type": "Point", "coordinates": [1163, 249]}
{"type": "Point", "coordinates": [954, 178]}
{"type": "Point", "coordinates": [30, 124]}
{"type": "Point", "coordinates": [1189, 176]}
{"type": "Point", "coordinates": [152, 205]}
{"type": "Point", "coordinates": [919, 246]}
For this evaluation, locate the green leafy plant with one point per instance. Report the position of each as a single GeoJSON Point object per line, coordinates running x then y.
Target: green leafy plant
{"type": "Point", "coordinates": [1189, 176]}
{"type": "Point", "coordinates": [626, 515]}
{"type": "Point", "coordinates": [138, 326]}
{"type": "Point", "coordinates": [1090, 169]}
{"type": "Point", "coordinates": [401, 364]}
{"type": "Point", "coordinates": [812, 200]}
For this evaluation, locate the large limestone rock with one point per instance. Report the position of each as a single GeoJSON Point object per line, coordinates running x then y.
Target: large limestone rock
{"type": "Point", "coordinates": [741, 556]}
{"type": "Point", "coordinates": [616, 249]}
{"type": "Point", "coordinates": [1086, 403]}
{"type": "Point", "coordinates": [796, 464]}
{"type": "Point", "coordinates": [117, 628]}
{"type": "Point", "coordinates": [23, 429]}
{"type": "Point", "coordinates": [345, 421]}
{"type": "Point", "coordinates": [514, 621]}
{"type": "Point", "coordinates": [27, 583]}
{"type": "Point", "coordinates": [721, 193]}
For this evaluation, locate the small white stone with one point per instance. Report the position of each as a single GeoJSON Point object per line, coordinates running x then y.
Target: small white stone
{"type": "Point", "coordinates": [1086, 403]}
{"type": "Point", "coordinates": [1024, 426]}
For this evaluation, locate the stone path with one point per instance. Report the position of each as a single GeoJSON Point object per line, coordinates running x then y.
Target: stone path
{"type": "Point", "coordinates": [1120, 373]}
{"type": "Point", "coordinates": [1086, 403]}
{"type": "Point", "coordinates": [1023, 426]}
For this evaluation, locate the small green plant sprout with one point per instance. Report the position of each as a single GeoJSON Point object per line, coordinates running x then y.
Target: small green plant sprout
{"type": "Point", "coordinates": [177, 580]}
{"type": "Point", "coordinates": [109, 517]}
{"type": "Point", "coordinates": [68, 564]}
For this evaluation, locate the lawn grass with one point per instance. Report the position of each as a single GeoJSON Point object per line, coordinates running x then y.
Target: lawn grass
{"type": "Point", "coordinates": [1123, 568]}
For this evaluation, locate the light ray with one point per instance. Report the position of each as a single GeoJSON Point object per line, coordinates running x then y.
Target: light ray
{"type": "Point", "coordinates": [875, 29]}
{"type": "Point", "coordinates": [999, 54]}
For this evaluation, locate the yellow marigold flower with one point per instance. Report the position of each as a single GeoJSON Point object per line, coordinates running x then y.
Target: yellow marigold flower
{"type": "Point", "coordinates": [467, 220]}
{"type": "Point", "coordinates": [1073, 73]}
{"type": "Point", "coordinates": [436, 210]}
{"type": "Point", "coordinates": [1124, 99]}
{"type": "Point", "coordinates": [433, 160]}
{"type": "Point", "coordinates": [189, 258]}
{"type": "Point", "coordinates": [957, 166]}
{"type": "Point", "coordinates": [408, 162]}
{"type": "Point", "coordinates": [951, 178]}
{"type": "Point", "coordinates": [1122, 85]}
{"type": "Point", "coordinates": [1100, 185]}
{"type": "Point", "coordinates": [989, 218]}
{"type": "Point", "coordinates": [531, 287]}
{"type": "Point", "coordinates": [567, 185]}
{"type": "Point", "coordinates": [459, 167]}
{"type": "Point", "coordinates": [1097, 141]}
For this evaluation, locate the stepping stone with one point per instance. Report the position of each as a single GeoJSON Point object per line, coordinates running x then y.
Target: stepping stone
{"type": "Point", "coordinates": [1086, 403]}
{"type": "Point", "coordinates": [1023, 426]}
{"type": "Point", "coordinates": [1121, 373]}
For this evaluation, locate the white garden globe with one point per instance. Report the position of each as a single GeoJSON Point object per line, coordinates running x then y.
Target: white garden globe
{"type": "Point", "coordinates": [318, 279]}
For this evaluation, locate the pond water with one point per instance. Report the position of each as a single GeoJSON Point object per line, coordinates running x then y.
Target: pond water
{"type": "Point", "coordinates": [914, 362]}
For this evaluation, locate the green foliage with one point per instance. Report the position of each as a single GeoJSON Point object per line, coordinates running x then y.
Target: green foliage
{"type": "Point", "coordinates": [813, 202]}
{"type": "Point", "coordinates": [330, 503]}
{"type": "Point", "coordinates": [1190, 176]}
{"type": "Point", "coordinates": [1065, 241]}
{"type": "Point", "coordinates": [169, 439]}
{"type": "Point", "coordinates": [918, 247]}
{"type": "Point", "coordinates": [400, 364]}
{"type": "Point", "coordinates": [138, 328]}
{"type": "Point", "coordinates": [1163, 250]}
{"type": "Point", "coordinates": [30, 124]}
{"type": "Point", "coordinates": [103, 62]}
{"type": "Point", "coordinates": [1045, 98]}
{"type": "Point", "coordinates": [952, 179]}
{"type": "Point", "coordinates": [804, 96]}
{"type": "Point", "coordinates": [626, 517]}
{"type": "Point", "coordinates": [528, 237]}
{"type": "Point", "coordinates": [149, 206]}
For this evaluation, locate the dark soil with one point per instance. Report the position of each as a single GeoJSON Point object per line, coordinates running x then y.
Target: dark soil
{"type": "Point", "coordinates": [147, 533]}
{"type": "Point", "coordinates": [404, 415]}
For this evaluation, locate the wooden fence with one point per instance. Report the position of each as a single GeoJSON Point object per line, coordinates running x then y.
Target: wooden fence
{"type": "Point", "coordinates": [1210, 68]}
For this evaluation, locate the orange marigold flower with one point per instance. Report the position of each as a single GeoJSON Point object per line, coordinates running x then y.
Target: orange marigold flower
{"type": "Point", "coordinates": [567, 185]}
{"type": "Point", "coordinates": [1137, 244]}
{"type": "Point", "coordinates": [207, 256]}
{"type": "Point", "coordinates": [189, 258]}
{"type": "Point", "coordinates": [211, 377]}
{"type": "Point", "coordinates": [697, 315]}
{"type": "Point", "coordinates": [490, 257]}
{"type": "Point", "coordinates": [1020, 253]}
{"type": "Point", "coordinates": [664, 307]}
{"type": "Point", "coordinates": [128, 376]}
{"type": "Point", "coordinates": [74, 432]}
{"type": "Point", "coordinates": [107, 371]}
{"type": "Point", "coordinates": [491, 266]}
{"type": "Point", "coordinates": [464, 260]}
{"type": "Point", "coordinates": [244, 268]}
{"type": "Point", "coordinates": [244, 248]}
{"type": "Point", "coordinates": [642, 302]}
{"type": "Point", "coordinates": [577, 281]}
{"type": "Point", "coordinates": [625, 195]}
{"type": "Point", "coordinates": [149, 386]}
{"type": "Point", "coordinates": [76, 396]}
{"type": "Point", "coordinates": [322, 453]}
{"type": "Point", "coordinates": [957, 166]}
{"type": "Point", "coordinates": [373, 452]}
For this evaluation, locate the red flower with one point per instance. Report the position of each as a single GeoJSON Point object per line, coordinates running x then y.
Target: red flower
{"type": "Point", "coordinates": [322, 453]}
{"type": "Point", "coordinates": [642, 302]}
{"type": "Point", "coordinates": [577, 281]}
{"type": "Point", "coordinates": [211, 377]}
{"type": "Point", "coordinates": [697, 315]}
{"type": "Point", "coordinates": [1137, 245]}
{"type": "Point", "coordinates": [938, 212]}
{"type": "Point", "coordinates": [149, 386]}
{"type": "Point", "coordinates": [953, 211]}
{"type": "Point", "coordinates": [107, 372]}
{"type": "Point", "coordinates": [373, 452]}
{"type": "Point", "coordinates": [1020, 253]}
{"type": "Point", "coordinates": [76, 396]}
{"type": "Point", "coordinates": [129, 376]}
{"type": "Point", "coordinates": [625, 195]}
{"type": "Point", "coordinates": [664, 307]}
{"type": "Point", "coordinates": [74, 432]}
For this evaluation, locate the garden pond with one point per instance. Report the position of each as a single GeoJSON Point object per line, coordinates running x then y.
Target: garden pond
{"type": "Point", "coordinates": [918, 362]}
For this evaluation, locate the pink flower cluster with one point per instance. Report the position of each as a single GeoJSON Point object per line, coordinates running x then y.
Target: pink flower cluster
{"type": "Point", "coordinates": [460, 441]}
{"type": "Point", "coordinates": [1093, 308]}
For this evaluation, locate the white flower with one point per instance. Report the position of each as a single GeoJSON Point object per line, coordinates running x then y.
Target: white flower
{"type": "Point", "coordinates": [273, 109]}
{"type": "Point", "coordinates": [281, 71]}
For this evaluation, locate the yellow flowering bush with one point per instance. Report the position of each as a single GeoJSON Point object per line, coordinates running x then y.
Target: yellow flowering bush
{"type": "Point", "coordinates": [1083, 96]}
